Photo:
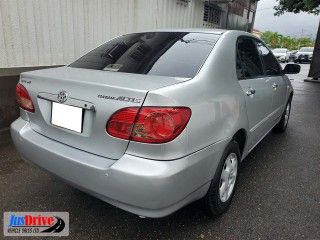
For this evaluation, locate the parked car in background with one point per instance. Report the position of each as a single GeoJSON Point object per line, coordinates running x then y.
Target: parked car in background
{"type": "Point", "coordinates": [292, 55]}
{"type": "Point", "coordinates": [282, 54]}
{"type": "Point", "coordinates": [152, 121]}
{"type": "Point", "coordinates": [305, 54]}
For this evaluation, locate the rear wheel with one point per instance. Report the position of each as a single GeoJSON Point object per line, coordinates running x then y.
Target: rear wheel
{"type": "Point", "coordinates": [222, 188]}
{"type": "Point", "coordinates": [283, 124]}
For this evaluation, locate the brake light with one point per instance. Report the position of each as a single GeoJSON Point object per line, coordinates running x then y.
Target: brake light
{"type": "Point", "coordinates": [23, 98]}
{"type": "Point", "coordinates": [150, 125]}
{"type": "Point", "coordinates": [121, 123]}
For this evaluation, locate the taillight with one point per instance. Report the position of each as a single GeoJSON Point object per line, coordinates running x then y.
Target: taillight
{"type": "Point", "coordinates": [151, 125]}
{"type": "Point", "coordinates": [23, 98]}
{"type": "Point", "coordinates": [121, 123]}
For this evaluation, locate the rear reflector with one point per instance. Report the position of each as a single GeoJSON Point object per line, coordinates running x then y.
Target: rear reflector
{"type": "Point", "coordinates": [152, 125]}
{"type": "Point", "coordinates": [23, 98]}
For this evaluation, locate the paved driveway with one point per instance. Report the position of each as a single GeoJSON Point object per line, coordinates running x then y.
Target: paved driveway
{"type": "Point", "coordinates": [278, 195]}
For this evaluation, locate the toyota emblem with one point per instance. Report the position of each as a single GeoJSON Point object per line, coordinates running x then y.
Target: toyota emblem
{"type": "Point", "coordinates": [62, 97]}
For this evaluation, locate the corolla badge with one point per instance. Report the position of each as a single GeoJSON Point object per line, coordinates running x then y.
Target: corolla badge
{"type": "Point", "coordinates": [62, 96]}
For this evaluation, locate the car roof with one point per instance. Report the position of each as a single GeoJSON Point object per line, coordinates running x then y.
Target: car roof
{"type": "Point", "coordinates": [216, 31]}
{"type": "Point", "coordinates": [195, 30]}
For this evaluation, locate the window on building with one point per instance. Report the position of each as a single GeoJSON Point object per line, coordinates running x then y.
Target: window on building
{"type": "Point", "coordinates": [245, 13]}
{"type": "Point", "coordinates": [250, 16]}
{"type": "Point", "coordinates": [212, 14]}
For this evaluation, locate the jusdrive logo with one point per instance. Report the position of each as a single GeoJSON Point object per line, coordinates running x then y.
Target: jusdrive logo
{"type": "Point", "coordinates": [38, 221]}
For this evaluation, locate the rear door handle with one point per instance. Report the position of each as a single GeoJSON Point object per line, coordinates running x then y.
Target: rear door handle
{"type": "Point", "coordinates": [274, 86]}
{"type": "Point", "coordinates": [250, 92]}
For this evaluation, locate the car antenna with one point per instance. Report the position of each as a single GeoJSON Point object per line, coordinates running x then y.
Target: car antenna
{"type": "Point", "coordinates": [180, 38]}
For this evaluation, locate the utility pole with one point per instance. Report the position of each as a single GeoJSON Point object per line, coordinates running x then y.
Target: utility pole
{"type": "Point", "coordinates": [301, 38]}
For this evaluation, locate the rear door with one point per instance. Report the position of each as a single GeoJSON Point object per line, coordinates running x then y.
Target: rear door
{"type": "Point", "coordinates": [257, 88]}
{"type": "Point", "coordinates": [275, 76]}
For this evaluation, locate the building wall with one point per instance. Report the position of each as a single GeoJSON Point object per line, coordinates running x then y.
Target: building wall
{"type": "Point", "coordinates": [54, 32]}
{"type": "Point", "coordinates": [37, 34]}
{"type": "Point", "coordinates": [242, 14]}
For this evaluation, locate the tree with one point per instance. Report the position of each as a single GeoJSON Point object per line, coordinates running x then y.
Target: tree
{"type": "Point", "coordinates": [306, 42]}
{"type": "Point", "coordinates": [266, 37]}
{"type": "Point", "coordinates": [295, 44]}
{"type": "Point", "coordinates": [296, 6]}
{"type": "Point", "coordinates": [285, 42]}
{"type": "Point", "coordinates": [277, 40]}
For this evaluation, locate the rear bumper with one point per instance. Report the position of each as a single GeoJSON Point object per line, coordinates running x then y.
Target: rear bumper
{"type": "Point", "coordinates": [141, 186]}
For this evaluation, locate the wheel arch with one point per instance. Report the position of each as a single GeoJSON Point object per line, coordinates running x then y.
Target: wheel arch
{"type": "Point", "coordinates": [241, 138]}
{"type": "Point", "coordinates": [291, 96]}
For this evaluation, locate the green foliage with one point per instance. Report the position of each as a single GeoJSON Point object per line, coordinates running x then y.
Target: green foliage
{"type": "Point", "coordinates": [277, 40]}
{"type": "Point", "coordinates": [296, 6]}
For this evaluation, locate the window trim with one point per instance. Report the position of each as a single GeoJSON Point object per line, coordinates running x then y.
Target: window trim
{"type": "Point", "coordinates": [262, 64]}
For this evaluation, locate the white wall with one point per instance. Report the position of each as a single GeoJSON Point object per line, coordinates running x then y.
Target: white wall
{"type": "Point", "coordinates": [54, 32]}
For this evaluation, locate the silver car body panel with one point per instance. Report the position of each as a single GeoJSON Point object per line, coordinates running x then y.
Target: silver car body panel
{"type": "Point", "coordinates": [142, 186]}
{"type": "Point", "coordinates": [88, 87]}
{"type": "Point", "coordinates": [151, 180]}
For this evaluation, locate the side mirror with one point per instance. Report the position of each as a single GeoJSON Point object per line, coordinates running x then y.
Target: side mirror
{"type": "Point", "coordinates": [292, 69]}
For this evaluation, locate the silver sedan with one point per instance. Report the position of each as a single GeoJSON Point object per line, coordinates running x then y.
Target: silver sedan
{"type": "Point", "coordinates": [152, 121]}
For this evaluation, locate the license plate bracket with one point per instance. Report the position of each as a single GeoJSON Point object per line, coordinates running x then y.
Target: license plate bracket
{"type": "Point", "coordinates": [67, 117]}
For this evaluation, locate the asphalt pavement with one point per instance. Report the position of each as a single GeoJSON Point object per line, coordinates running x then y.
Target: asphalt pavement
{"type": "Point", "coordinates": [278, 196]}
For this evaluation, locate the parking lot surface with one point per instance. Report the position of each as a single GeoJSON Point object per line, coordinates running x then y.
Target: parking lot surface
{"type": "Point", "coordinates": [278, 196]}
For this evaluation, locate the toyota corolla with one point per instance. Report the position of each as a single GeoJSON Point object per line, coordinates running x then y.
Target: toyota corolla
{"type": "Point", "coordinates": [152, 121]}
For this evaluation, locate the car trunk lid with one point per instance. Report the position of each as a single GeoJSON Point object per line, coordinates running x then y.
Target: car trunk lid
{"type": "Point", "coordinates": [98, 93]}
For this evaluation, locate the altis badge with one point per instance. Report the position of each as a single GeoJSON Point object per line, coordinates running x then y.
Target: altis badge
{"type": "Point", "coordinates": [121, 98]}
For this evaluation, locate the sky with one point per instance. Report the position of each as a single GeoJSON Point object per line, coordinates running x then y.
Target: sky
{"type": "Point", "coordinates": [289, 24]}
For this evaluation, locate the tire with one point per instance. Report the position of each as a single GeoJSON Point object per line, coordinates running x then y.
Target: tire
{"type": "Point", "coordinates": [214, 203]}
{"type": "Point", "coordinates": [283, 124]}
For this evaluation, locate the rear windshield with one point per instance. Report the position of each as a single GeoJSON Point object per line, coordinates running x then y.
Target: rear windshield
{"type": "Point", "coordinates": [174, 54]}
{"type": "Point", "coordinates": [306, 49]}
{"type": "Point", "coordinates": [280, 50]}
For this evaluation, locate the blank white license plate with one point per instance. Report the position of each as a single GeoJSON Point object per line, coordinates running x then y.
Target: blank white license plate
{"type": "Point", "coordinates": [66, 116]}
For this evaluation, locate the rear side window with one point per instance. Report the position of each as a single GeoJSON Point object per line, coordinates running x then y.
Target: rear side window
{"type": "Point", "coordinates": [249, 59]}
{"type": "Point", "coordinates": [174, 54]}
{"type": "Point", "coordinates": [270, 62]}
